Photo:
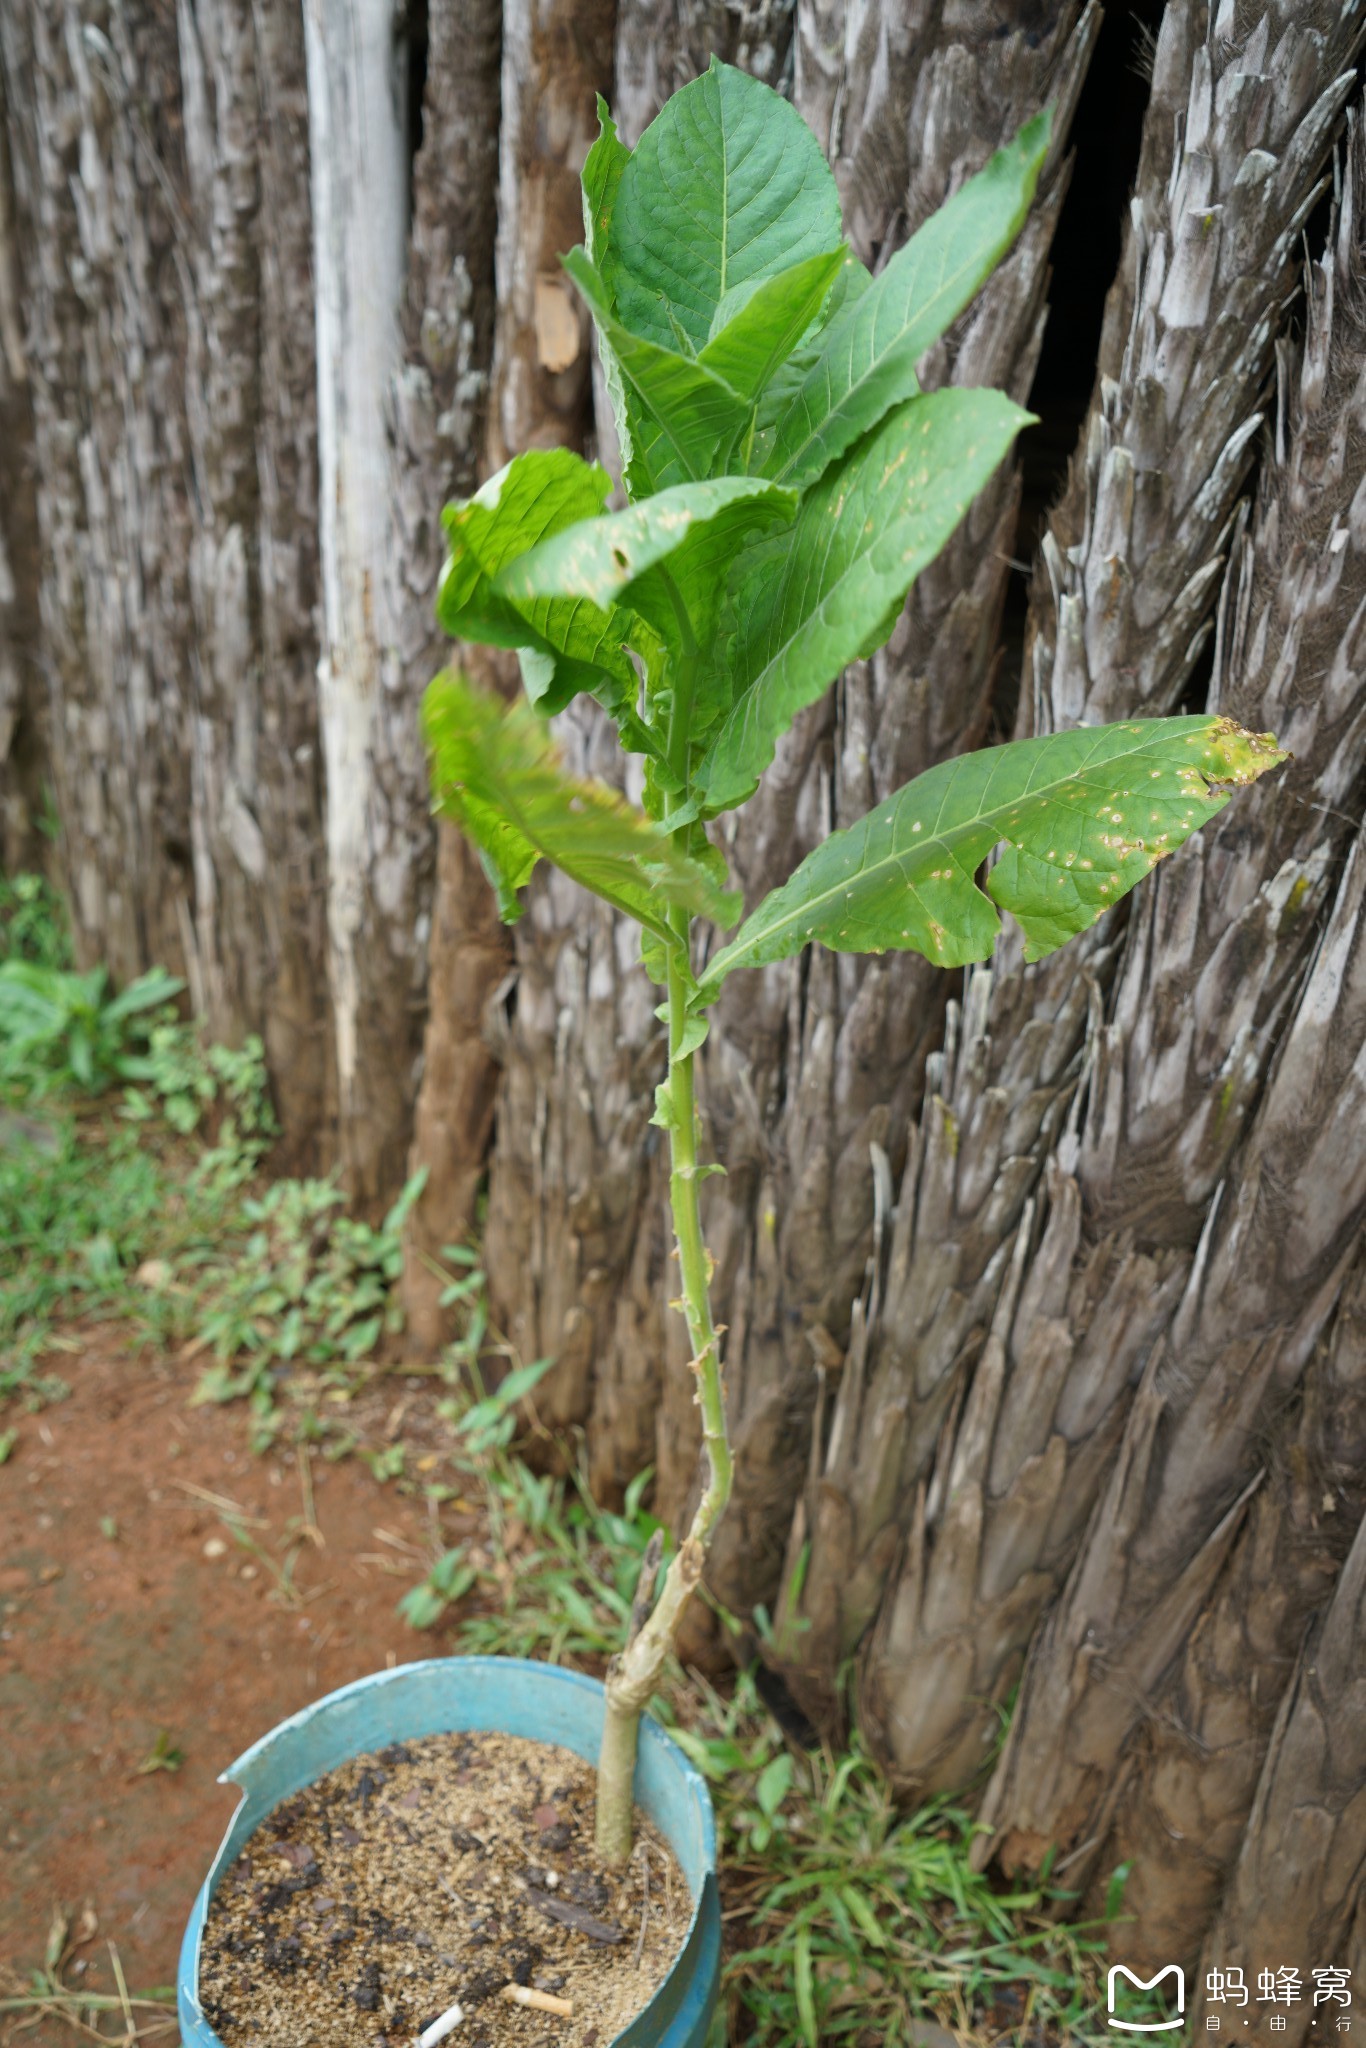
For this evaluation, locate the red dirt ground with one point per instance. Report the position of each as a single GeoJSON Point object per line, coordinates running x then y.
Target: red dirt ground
{"type": "Point", "coordinates": [105, 1642]}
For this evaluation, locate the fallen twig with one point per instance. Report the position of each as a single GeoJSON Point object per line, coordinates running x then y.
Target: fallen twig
{"type": "Point", "coordinates": [232, 1510]}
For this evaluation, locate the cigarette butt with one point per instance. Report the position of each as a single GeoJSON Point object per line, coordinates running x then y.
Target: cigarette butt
{"type": "Point", "coordinates": [439, 2029]}
{"type": "Point", "coordinates": [540, 2001]}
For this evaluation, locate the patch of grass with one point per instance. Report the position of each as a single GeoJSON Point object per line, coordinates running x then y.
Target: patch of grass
{"type": "Point", "coordinates": [79, 1213]}
{"type": "Point", "coordinates": [299, 1289]}
{"type": "Point", "coordinates": [130, 1189]}
{"type": "Point", "coordinates": [857, 1922]}
{"type": "Point", "coordinates": [555, 1576]}
{"type": "Point", "coordinates": [107, 1212]}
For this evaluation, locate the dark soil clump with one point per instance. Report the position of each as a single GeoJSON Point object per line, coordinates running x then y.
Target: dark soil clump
{"type": "Point", "coordinates": [433, 1873]}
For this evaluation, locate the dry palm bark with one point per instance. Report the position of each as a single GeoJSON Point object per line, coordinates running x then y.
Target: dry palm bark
{"type": "Point", "coordinates": [254, 943]}
{"type": "Point", "coordinates": [376, 835]}
{"type": "Point", "coordinates": [1264, 1280]}
{"type": "Point", "coordinates": [97, 174]}
{"type": "Point", "coordinates": [160, 181]}
{"type": "Point", "coordinates": [990, 1371]}
{"type": "Point", "coordinates": [1177, 1139]}
{"type": "Point", "coordinates": [1183, 1818]}
{"type": "Point", "coordinates": [433, 410]}
{"type": "Point", "coordinates": [438, 414]}
{"type": "Point", "coordinates": [802, 1063]}
{"type": "Point", "coordinates": [1299, 1884]}
{"type": "Point", "coordinates": [22, 713]}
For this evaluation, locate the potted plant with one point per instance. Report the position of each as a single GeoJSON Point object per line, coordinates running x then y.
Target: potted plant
{"type": "Point", "coordinates": [786, 480]}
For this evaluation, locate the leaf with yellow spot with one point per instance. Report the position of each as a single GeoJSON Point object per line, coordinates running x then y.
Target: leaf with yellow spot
{"type": "Point", "coordinates": [1082, 815]}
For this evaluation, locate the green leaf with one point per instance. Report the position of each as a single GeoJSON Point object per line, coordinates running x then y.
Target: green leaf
{"type": "Point", "coordinates": [860, 1910]}
{"type": "Point", "coordinates": [496, 774]}
{"type": "Point", "coordinates": [804, 1985]}
{"type": "Point", "coordinates": [1084, 816]}
{"type": "Point", "coordinates": [870, 350]}
{"type": "Point", "coordinates": [534, 495]}
{"type": "Point", "coordinates": [422, 1606]}
{"type": "Point", "coordinates": [754, 341]}
{"type": "Point", "coordinates": [1114, 1890]}
{"type": "Point", "coordinates": [164, 1756]}
{"type": "Point", "coordinates": [726, 187]}
{"type": "Point", "coordinates": [654, 958]}
{"type": "Point", "coordinates": [830, 591]}
{"type": "Point", "coordinates": [408, 1197]}
{"type": "Point", "coordinates": [574, 646]}
{"type": "Point", "coordinates": [690, 1039]}
{"type": "Point", "coordinates": [522, 1380]}
{"type": "Point", "coordinates": [148, 992]}
{"type": "Point", "coordinates": [564, 646]}
{"type": "Point", "coordinates": [775, 1782]}
{"type": "Point", "coordinates": [682, 420]}
{"type": "Point", "coordinates": [602, 170]}
{"type": "Point", "coordinates": [450, 1572]}
{"type": "Point", "coordinates": [695, 528]}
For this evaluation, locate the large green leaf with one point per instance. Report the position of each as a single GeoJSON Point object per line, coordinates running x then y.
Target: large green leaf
{"type": "Point", "coordinates": [682, 419]}
{"type": "Point", "coordinates": [496, 774]}
{"type": "Point", "coordinates": [726, 186]}
{"type": "Point", "coordinates": [869, 351]}
{"type": "Point", "coordinates": [696, 529]}
{"type": "Point", "coordinates": [753, 342]}
{"type": "Point", "coordinates": [579, 644]}
{"type": "Point", "coordinates": [1084, 815]}
{"type": "Point", "coordinates": [830, 593]}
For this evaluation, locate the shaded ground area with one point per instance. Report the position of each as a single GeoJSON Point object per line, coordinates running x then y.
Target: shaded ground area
{"type": "Point", "coordinates": [159, 1586]}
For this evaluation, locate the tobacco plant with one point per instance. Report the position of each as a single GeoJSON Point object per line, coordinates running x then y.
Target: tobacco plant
{"type": "Point", "coordinates": [786, 480]}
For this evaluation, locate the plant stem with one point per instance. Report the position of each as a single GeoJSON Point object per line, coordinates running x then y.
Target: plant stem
{"type": "Point", "coordinates": [634, 1676]}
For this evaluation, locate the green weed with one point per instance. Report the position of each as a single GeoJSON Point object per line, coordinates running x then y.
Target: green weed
{"type": "Point", "coordinates": [148, 1212]}
{"type": "Point", "coordinates": [163, 1756]}
{"type": "Point", "coordinates": [301, 1285]}
{"type": "Point", "coordinates": [60, 1029]}
{"type": "Point", "coordinates": [33, 922]}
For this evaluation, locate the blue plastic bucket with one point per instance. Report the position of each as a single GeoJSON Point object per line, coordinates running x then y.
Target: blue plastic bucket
{"type": "Point", "coordinates": [512, 1697]}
